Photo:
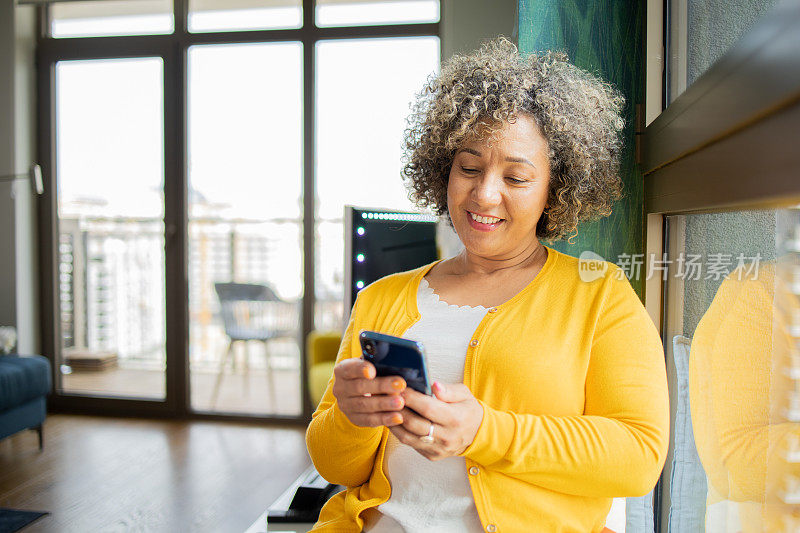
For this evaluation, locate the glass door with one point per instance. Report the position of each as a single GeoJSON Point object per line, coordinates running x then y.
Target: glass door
{"type": "Point", "coordinates": [245, 228]}
{"type": "Point", "coordinates": [110, 260]}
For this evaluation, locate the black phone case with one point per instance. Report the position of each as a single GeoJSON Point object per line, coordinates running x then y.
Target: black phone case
{"type": "Point", "coordinates": [395, 356]}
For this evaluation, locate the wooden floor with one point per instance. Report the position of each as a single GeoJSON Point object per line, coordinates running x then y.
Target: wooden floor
{"type": "Point", "coordinates": [109, 474]}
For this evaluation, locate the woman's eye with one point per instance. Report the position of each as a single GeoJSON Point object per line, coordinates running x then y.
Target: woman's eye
{"type": "Point", "coordinates": [512, 179]}
{"type": "Point", "coordinates": [469, 170]}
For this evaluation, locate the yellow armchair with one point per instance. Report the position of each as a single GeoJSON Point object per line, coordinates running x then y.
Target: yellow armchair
{"type": "Point", "coordinates": [322, 348]}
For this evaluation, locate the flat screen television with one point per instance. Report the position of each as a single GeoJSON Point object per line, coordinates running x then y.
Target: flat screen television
{"type": "Point", "coordinates": [379, 242]}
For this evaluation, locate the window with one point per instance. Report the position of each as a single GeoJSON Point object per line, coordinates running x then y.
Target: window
{"type": "Point", "coordinates": [238, 15]}
{"type": "Point", "coordinates": [245, 223]}
{"type": "Point", "coordinates": [721, 199]}
{"type": "Point", "coordinates": [358, 12]}
{"type": "Point", "coordinates": [701, 32]}
{"type": "Point", "coordinates": [111, 227]}
{"type": "Point", "coordinates": [265, 129]}
{"type": "Point", "coordinates": [733, 313]}
{"type": "Point", "coordinates": [113, 17]}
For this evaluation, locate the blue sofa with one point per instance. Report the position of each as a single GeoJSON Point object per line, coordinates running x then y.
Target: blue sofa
{"type": "Point", "coordinates": [24, 386]}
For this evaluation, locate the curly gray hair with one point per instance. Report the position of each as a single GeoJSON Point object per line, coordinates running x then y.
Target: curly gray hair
{"type": "Point", "coordinates": [577, 113]}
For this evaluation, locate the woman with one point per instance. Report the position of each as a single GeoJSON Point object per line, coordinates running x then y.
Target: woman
{"type": "Point", "coordinates": [550, 392]}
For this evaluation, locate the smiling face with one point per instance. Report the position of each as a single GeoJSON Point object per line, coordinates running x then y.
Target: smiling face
{"type": "Point", "coordinates": [498, 189]}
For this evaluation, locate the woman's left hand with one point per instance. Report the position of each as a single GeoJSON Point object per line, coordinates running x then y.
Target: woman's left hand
{"type": "Point", "coordinates": [454, 412]}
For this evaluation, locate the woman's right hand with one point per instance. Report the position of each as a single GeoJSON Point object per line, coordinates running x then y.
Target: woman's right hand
{"type": "Point", "coordinates": [365, 399]}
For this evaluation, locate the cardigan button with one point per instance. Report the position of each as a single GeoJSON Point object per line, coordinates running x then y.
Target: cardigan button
{"type": "Point", "coordinates": [474, 470]}
{"type": "Point", "coordinates": [491, 528]}
{"type": "Point", "coordinates": [493, 309]}
{"type": "Point", "coordinates": [473, 342]}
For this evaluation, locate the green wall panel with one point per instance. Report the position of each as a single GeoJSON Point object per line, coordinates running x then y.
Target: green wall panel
{"type": "Point", "coordinates": [604, 37]}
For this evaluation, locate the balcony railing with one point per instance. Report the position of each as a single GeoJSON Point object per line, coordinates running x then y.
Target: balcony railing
{"type": "Point", "coordinates": [111, 280]}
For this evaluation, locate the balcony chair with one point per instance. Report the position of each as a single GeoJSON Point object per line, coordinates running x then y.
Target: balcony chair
{"type": "Point", "coordinates": [252, 312]}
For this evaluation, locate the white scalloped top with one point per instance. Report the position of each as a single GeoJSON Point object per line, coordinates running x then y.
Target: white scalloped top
{"type": "Point", "coordinates": [427, 293]}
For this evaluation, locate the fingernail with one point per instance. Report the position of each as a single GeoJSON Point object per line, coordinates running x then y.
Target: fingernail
{"type": "Point", "coordinates": [398, 402]}
{"type": "Point", "coordinates": [438, 386]}
{"type": "Point", "coordinates": [398, 384]}
{"type": "Point", "coordinates": [397, 419]}
{"type": "Point", "coordinates": [367, 372]}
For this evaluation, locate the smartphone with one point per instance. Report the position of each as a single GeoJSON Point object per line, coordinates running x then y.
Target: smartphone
{"type": "Point", "coordinates": [395, 356]}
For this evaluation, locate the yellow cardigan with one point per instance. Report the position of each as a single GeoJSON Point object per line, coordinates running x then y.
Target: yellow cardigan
{"type": "Point", "coordinates": [572, 380]}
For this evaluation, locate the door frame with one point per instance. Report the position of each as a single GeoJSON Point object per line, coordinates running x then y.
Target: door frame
{"type": "Point", "coordinates": [176, 287]}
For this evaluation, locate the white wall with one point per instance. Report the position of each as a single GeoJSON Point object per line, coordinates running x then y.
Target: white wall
{"type": "Point", "coordinates": [25, 155]}
{"type": "Point", "coordinates": [468, 23]}
{"type": "Point", "coordinates": [8, 269]}
{"type": "Point", "coordinates": [18, 245]}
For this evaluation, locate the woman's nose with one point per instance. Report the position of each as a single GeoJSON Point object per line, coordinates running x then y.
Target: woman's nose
{"type": "Point", "coordinates": [487, 189]}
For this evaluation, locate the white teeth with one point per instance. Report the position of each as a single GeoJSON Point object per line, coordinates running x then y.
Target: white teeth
{"type": "Point", "coordinates": [484, 220]}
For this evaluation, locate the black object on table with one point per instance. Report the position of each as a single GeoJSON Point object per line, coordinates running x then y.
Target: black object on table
{"type": "Point", "coordinates": [302, 501]}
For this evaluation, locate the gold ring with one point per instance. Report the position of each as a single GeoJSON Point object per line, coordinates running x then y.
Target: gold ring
{"type": "Point", "coordinates": [428, 439]}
